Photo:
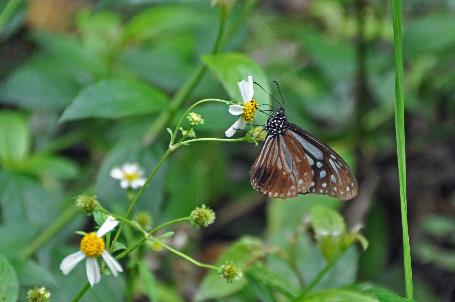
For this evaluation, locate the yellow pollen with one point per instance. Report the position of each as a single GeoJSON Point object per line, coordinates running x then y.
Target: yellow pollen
{"type": "Point", "coordinates": [92, 245]}
{"type": "Point", "coordinates": [131, 176]}
{"type": "Point", "coordinates": [249, 109]}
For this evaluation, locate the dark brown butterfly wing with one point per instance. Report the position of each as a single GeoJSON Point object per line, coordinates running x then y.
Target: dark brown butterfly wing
{"type": "Point", "coordinates": [297, 163]}
{"type": "Point", "coordinates": [281, 169]}
{"type": "Point", "coordinates": [331, 174]}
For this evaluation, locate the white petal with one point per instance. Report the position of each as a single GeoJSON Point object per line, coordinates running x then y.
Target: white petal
{"type": "Point", "coordinates": [246, 89]}
{"type": "Point", "coordinates": [70, 262]}
{"type": "Point", "coordinates": [130, 168]}
{"type": "Point", "coordinates": [136, 184]}
{"type": "Point", "coordinates": [117, 173]}
{"type": "Point", "coordinates": [107, 226]}
{"type": "Point", "coordinates": [113, 265]}
{"type": "Point", "coordinates": [93, 271]}
{"type": "Point", "coordinates": [239, 124]}
{"type": "Point", "coordinates": [124, 184]}
{"type": "Point", "coordinates": [235, 109]}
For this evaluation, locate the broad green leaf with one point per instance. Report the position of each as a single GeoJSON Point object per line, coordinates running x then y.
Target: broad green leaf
{"type": "Point", "coordinates": [31, 273]}
{"type": "Point", "coordinates": [263, 275]}
{"type": "Point", "coordinates": [148, 281]}
{"type": "Point", "coordinates": [24, 199]}
{"type": "Point", "coordinates": [9, 287]}
{"type": "Point", "coordinates": [380, 293]}
{"type": "Point", "coordinates": [33, 87]}
{"type": "Point", "coordinates": [159, 21]}
{"type": "Point", "coordinates": [11, 232]}
{"type": "Point", "coordinates": [243, 253]}
{"type": "Point", "coordinates": [115, 99]}
{"type": "Point", "coordinates": [49, 166]}
{"type": "Point", "coordinates": [327, 222]}
{"type": "Point", "coordinates": [230, 68]}
{"type": "Point", "coordinates": [338, 295]}
{"type": "Point", "coordinates": [420, 36]}
{"type": "Point", "coordinates": [207, 181]}
{"type": "Point", "coordinates": [14, 137]}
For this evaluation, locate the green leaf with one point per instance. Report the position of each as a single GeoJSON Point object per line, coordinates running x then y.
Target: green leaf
{"type": "Point", "coordinates": [14, 137]}
{"type": "Point", "coordinates": [338, 295]}
{"type": "Point", "coordinates": [327, 222]}
{"type": "Point", "coordinates": [380, 293]}
{"type": "Point", "coordinates": [208, 179]}
{"type": "Point", "coordinates": [11, 232]}
{"type": "Point", "coordinates": [263, 275]}
{"type": "Point", "coordinates": [33, 87]}
{"type": "Point", "coordinates": [115, 99]}
{"type": "Point", "coordinates": [162, 20]}
{"type": "Point", "coordinates": [148, 281]}
{"type": "Point", "coordinates": [24, 199]}
{"type": "Point", "coordinates": [243, 253]}
{"type": "Point", "coordinates": [31, 273]}
{"type": "Point", "coordinates": [49, 166]}
{"type": "Point", "coordinates": [9, 287]}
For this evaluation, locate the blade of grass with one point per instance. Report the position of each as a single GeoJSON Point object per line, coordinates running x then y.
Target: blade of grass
{"type": "Point", "coordinates": [400, 138]}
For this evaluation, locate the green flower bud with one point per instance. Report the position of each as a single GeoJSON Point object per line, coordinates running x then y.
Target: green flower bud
{"type": "Point", "coordinates": [257, 134]}
{"type": "Point", "coordinates": [230, 272]}
{"type": "Point", "coordinates": [195, 119]}
{"type": "Point", "coordinates": [202, 216]}
{"type": "Point", "coordinates": [86, 203]}
{"type": "Point", "coordinates": [143, 219]}
{"type": "Point", "coordinates": [188, 133]}
{"type": "Point", "coordinates": [38, 294]}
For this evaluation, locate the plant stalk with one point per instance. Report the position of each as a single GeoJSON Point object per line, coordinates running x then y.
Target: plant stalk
{"type": "Point", "coordinates": [400, 138]}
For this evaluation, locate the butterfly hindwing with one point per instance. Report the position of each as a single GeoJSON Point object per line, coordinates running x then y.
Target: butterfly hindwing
{"type": "Point", "coordinates": [331, 174]}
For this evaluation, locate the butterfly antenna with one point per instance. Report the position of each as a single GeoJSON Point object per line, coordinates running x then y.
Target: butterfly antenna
{"type": "Point", "coordinates": [279, 90]}
{"type": "Point", "coordinates": [267, 93]}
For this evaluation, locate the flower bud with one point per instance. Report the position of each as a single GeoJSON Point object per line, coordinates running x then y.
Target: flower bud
{"type": "Point", "coordinates": [202, 216]}
{"type": "Point", "coordinates": [86, 203]}
{"type": "Point", "coordinates": [257, 134]}
{"type": "Point", "coordinates": [38, 294]}
{"type": "Point", "coordinates": [188, 133]}
{"type": "Point", "coordinates": [230, 272]}
{"type": "Point", "coordinates": [195, 119]}
{"type": "Point", "coordinates": [143, 219]}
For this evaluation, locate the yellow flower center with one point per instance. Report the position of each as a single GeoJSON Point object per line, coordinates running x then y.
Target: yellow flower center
{"type": "Point", "coordinates": [131, 176]}
{"type": "Point", "coordinates": [92, 245]}
{"type": "Point", "coordinates": [249, 109]}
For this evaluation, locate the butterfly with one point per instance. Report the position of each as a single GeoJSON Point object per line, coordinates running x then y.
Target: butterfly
{"type": "Point", "coordinates": [292, 161]}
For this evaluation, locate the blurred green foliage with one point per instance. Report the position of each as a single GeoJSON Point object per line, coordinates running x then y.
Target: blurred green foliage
{"type": "Point", "coordinates": [76, 103]}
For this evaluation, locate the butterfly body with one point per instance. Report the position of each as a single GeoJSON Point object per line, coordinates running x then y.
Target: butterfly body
{"type": "Point", "coordinates": [293, 162]}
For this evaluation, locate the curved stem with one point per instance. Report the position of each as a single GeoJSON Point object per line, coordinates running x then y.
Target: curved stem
{"type": "Point", "coordinates": [179, 123]}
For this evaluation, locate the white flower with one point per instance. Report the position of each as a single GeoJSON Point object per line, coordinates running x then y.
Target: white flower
{"type": "Point", "coordinates": [247, 110]}
{"type": "Point", "coordinates": [91, 247]}
{"type": "Point", "coordinates": [130, 175]}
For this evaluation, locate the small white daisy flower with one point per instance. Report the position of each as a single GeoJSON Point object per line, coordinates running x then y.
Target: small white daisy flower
{"type": "Point", "coordinates": [247, 110]}
{"type": "Point", "coordinates": [91, 247]}
{"type": "Point", "coordinates": [130, 175]}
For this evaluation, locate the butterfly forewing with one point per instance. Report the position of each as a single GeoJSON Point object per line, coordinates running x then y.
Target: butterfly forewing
{"type": "Point", "coordinates": [280, 171]}
{"type": "Point", "coordinates": [294, 162]}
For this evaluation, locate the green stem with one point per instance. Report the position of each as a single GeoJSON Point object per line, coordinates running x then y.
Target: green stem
{"type": "Point", "coordinates": [184, 92]}
{"type": "Point", "coordinates": [126, 252]}
{"type": "Point", "coordinates": [186, 257]}
{"type": "Point", "coordinates": [141, 190]}
{"type": "Point", "coordinates": [190, 109]}
{"type": "Point", "coordinates": [319, 277]}
{"type": "Point", "coordinates": [400, 138]}
{"type": "Point", "coordinates": [7, 11]}
{"type": "Point", "coordinates": [47, 234]}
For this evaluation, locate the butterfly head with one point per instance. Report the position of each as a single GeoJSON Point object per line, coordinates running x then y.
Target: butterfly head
{"type": "Point", "coordinates": [277, 123]}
